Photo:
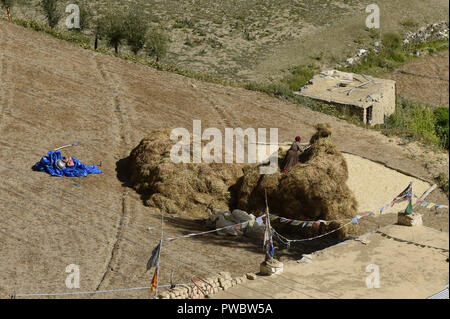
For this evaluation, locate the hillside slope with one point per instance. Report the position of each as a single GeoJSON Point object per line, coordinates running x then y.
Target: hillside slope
{"type": "Point", "coordinates": [259, 40]}
{"type": "Point", "coordinates": [51, 94]}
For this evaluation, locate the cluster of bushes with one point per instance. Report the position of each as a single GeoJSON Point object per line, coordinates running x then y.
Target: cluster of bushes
{"type": "Point", "coordinates": [300, 76]}
{"type": "Point", "coordinates": [387, 57]}
{"type": "Point", "coordinates": [443, 182]}
{"type": "Point", "coordinates": [416, 121]}
{"type": "Point", "coordinates": [392, 54]}
{"type": "Point", "coordinates": [116, 28]}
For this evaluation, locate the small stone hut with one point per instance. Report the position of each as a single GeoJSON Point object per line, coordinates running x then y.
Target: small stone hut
{"type": "Point", "coordinates": [371, 99]}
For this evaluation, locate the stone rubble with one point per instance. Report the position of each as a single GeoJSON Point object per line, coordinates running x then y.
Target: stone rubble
{"type": "Point", "coordinates": [221, 218]}
{"type": "Point", "coordinates": [433, 31]}
{"type": "Point", "coordinates": [208, 287]}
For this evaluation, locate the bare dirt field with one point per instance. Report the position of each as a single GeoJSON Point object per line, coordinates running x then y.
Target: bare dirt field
{"type": "Point", "coordinates": [52, 93]}
{"type": "Point", "coordinates": [425, 79]}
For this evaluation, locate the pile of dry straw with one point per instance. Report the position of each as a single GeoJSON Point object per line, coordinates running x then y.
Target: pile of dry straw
{"type": "Point", "coordinates": [314, 189]}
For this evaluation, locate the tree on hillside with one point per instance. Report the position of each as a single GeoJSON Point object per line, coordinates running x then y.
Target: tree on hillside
{"type": "Point", "coordinates": [50, 8]}
{"type": "Point", "coordinates": [157, 44]}
{"type": "Point", "coordinates": [112, 28]}
{"type": "Point", "coordinates": [136, 30]}
{"type": "Point", "coordinates": [99, 30]}
{"type": "Point", "coordinates": [7, 4]}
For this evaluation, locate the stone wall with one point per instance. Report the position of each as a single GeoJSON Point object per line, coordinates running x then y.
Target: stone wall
{"type": "Point", "coordinates": [208, 287]}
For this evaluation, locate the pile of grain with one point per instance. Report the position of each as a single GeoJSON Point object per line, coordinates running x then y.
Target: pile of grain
{"type": "Point", "coordinates": [313, 189]}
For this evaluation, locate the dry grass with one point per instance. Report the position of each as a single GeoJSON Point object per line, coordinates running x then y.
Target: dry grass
{"type": "Point", "coordinates": [260, 40]}
{"type": "Point", "coordinates": [184, 189]}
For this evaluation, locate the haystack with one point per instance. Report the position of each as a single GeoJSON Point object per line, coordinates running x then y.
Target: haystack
{"type": "Point", "coordinates": [313, 189]}
{"type": "Point", "coordinates": [185, 189]}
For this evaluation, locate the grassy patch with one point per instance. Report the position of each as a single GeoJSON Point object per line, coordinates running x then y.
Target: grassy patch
{"type": "Point", "coordinates": [300, 76]}
{"type": "Point", "coordinates": [443, 183]}
{"type": "Point", "coordinates": [441, 115]}
{"type": "Point", "coordinates": [409, 24]}
{"type": "Point", "coordinates": [73, 37]}
{"type": "Point", "coordinates": [416, 121]}
{"type": "Point", "coordinates": [392, 55]}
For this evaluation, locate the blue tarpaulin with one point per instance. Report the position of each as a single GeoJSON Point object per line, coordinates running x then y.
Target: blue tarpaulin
{"type": "Point", "coordinates": [48, 164]}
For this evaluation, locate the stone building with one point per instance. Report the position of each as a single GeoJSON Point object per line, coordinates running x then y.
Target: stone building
{"type": "Point", "coordinates": [371, 99]}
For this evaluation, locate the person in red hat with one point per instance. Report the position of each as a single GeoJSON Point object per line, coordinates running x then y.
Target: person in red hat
{"type": "Point", "coordinates": [292, 155]}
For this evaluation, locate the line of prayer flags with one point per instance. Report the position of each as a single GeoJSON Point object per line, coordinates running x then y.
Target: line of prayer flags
{"type": "Point", "coordinates": [407, 193]}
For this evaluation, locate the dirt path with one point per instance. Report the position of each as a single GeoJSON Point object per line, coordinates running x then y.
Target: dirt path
{"type": "Point", "coordinates": [53, 93]}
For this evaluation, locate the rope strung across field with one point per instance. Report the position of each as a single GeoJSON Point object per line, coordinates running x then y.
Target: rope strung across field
{"type": "Point", "coordinates": [294, 222]}
{"type": "Point", "coordinates": [287, 241]}
{"type": "Point", "coordinates": [92, 292]}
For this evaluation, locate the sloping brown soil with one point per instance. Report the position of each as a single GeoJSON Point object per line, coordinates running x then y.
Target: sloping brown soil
{"type": "Point", "coordinates": [51, 94]}
{"type": "Point", "coordinates": [424, 79]}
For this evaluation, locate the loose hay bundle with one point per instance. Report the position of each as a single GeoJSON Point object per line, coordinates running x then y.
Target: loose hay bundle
{"type": "Point", "coordinates": [313, 189]}
{"type": "Point", "coordinates": [186, 189]}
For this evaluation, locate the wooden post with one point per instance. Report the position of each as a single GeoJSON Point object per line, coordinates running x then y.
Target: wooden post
{"type": "Point", "coordinates": [425, 194]}
{"type": "Point", "coordinates": [159, 253]}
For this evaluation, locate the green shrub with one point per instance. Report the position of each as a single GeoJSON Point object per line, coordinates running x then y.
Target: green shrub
{"type": "Point", "coordinates": [392, 41]}
{"type": "Point", "coordinates": [136, 30]}
{"type": "Point", "coordinates": [441, 115]}
{"type": "Point", "coordinates": [74, 37]}
{"type": "Point", "coordinates": [112, 28]}
{"type": "Point", "coordinates": [443, 182]}
{"type": "Point", "coordinates": [300, 76]}
{"type": "Point", "coordinates": [409, 23]}
{"type": "Point", "coordinates": [413, 121]}
{"type": "Point", "coordinates": [50, 9]}
{"type": "Point", "coordinates": [275, 89]}
{"type": "Point", "coordinates": [157, 44]}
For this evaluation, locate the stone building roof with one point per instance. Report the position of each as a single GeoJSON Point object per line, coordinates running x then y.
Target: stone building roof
{"type": "Point", "coordinates": [346, 88]}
